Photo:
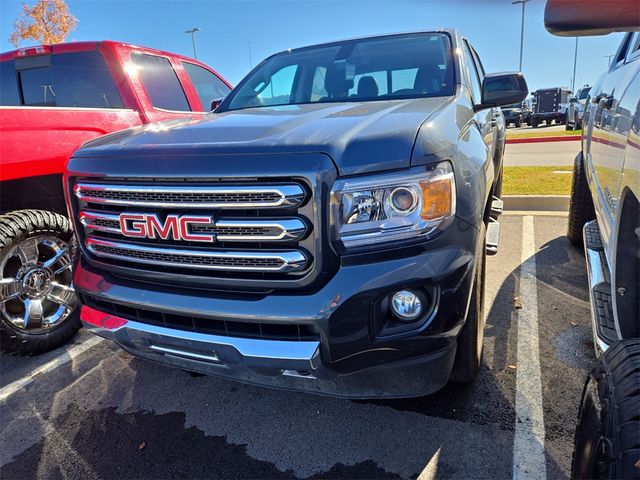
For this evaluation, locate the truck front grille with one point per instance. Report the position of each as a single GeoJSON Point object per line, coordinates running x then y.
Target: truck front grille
{"type": "Point", "coordinates": [247, 227]}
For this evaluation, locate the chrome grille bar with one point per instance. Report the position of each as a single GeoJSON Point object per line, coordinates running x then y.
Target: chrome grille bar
{"type": "Point", "coordinates": [258, 261]}
{"type": "Point", "coordinates": [225, 230]}
{"type": "Point", "coordinates": [205, 196]}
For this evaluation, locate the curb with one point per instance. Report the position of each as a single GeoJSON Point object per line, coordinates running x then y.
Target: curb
{"type": "Point", "coordinates": [548, 203]}
{"type": "Point", "coordinates": [564, 138]}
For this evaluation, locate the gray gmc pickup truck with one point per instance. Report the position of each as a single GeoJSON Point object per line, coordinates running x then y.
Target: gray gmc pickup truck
{"type": "Point", "coordinates": [324, 229]}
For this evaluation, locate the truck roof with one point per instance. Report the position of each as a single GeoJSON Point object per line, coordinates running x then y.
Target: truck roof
{"type": "Point", "coordinates": [82, 46]}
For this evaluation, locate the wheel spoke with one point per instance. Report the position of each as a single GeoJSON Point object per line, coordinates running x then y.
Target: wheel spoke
{"type": "Point", "coordinates": [62, 295]}
{"type": "Point", "coordinates": [9, 288]}
{"type": "Point", "coordinates": [32, 313]}
{"type": "Point", "coordinates": [58, 257]}
{"type": "Point", "coordinates": [28, 251]}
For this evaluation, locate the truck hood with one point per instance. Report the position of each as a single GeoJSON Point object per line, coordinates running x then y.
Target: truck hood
{"type": "Point", "coordinates": [359, 136]}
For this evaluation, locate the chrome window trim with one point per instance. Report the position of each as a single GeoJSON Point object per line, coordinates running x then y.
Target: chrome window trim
{"type": "Point", "coordinates": [291, 229]}
{"type": "Point", "coordinates": [291, 261]}
{"type": "Point", "coordinates": [291, 195]}
{"type": "Point", "coordinates": [101, 109]}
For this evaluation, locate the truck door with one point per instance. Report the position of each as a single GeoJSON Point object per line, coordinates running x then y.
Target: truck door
{"type": "Point", "coordinates": [611, 122]}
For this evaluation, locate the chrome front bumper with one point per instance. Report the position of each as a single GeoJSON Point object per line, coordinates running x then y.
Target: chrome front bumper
{"type": "Point", "coordinates": [282, 364]}
{"type": "Point", "coordinates": [175, 347]}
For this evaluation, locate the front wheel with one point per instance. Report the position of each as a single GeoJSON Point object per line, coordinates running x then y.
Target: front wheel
{"type": "Point", "coordinates": [607, 442]}
{"type": "Point", "coordinates": [38, 306]}
{"type": "Point", "coordinates": [581, 208]}
{"type": "Point", "coordinates": [471, 337]}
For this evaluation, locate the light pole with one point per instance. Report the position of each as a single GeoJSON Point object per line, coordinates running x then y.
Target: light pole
{"type": "Point", "coordinates": [193, 39]}
{"type": "Point", "coordinates": [523, 2]}
{"type": "Point", "coordinates": [575, 61]}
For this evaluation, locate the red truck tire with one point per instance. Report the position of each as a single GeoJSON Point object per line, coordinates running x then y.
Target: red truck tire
{"type": "Point", "coordinates": [38, 307]}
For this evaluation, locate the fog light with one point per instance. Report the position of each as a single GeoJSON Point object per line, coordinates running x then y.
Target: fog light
{"type": "Point", "coordinates": [406, 305]}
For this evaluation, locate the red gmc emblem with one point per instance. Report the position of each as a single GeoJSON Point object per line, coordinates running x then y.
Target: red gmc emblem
{"type": "Point", "coordinates": [175, 227]}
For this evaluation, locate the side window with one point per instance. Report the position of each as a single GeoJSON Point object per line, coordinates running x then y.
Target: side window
{"type": "Point", "coordinates": [9, 95]}
{"type": "Point", "coordinates": [476, 86]}
{"type": "Point", "coordinates": [317, 85]}
{"type": "Point", "coordinates": [208, 86]}
{"type": "Point", "coordinates": [634, 46]}
{"type": "Point", "coordinates": [76, 80]}
{"type": "Point", "coordinates": [627, 43]}
{"type": "Point", "coordinates": [278, 90]}
{"type": "Point", "coordinates": [161, 82]}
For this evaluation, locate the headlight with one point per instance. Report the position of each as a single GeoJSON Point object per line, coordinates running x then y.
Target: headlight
{"type": "Point", "coordinates": [392, 207]}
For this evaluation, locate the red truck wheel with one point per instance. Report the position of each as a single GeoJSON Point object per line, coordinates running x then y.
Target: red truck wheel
{"type": "Point", "coordinates": [38, 306]}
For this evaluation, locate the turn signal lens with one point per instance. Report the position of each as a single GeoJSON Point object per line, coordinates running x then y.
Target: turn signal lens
{"type": "Point", "coordinates": [436, 197]}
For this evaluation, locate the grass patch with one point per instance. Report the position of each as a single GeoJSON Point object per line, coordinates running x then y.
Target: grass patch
{"type": "Point", "coordinates": [538, 133]}
{"type": "Point", "coordinates": [536, 181]}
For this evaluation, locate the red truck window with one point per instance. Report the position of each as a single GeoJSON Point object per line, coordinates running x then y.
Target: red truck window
{"type": "Point", "coordinates": [78, 79]}
{"type": "Point", "coordinates": [208, 86]}
{"type": "Point", "coordinates": [9, 94]}
{"type": "Point", "coordinates": [161, 82]}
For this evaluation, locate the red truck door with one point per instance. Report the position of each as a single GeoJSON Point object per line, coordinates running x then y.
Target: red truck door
{"type": "Point", "coordinates": [52, 103]}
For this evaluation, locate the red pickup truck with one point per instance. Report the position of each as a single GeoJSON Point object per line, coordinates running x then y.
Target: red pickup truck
{"type": "Point", "coordinates": [53, 98]}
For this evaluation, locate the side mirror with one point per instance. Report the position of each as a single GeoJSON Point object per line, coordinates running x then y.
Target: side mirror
{"type": "Point", "coordinates": [215, 103]}
{"type": "Point", "coordinates": [571, 18]}
{"type": "Point", "coordinates": [500, 89]}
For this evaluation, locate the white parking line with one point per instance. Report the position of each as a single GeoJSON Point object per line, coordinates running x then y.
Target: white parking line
{"type": "Point", "coordinates": [528, 444]}
{"type": "Point", "coordinates": [8, 390]}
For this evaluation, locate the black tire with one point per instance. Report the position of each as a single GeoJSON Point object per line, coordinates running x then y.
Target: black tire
{"type": "Point", "coordinates": [607, 441]}
{"type": "Point", "coordinates": [16, 227]}
{"type": "Point", "coordinates": [469, 352]}
{"type": "Point", "coordinates": [518, 123]}
{"type": "Point", "coordinates": [581, 208]}
{"type": "Point", "coordinates": [497, 186]}
{"type": "Point", "coordinates": [535, 123]}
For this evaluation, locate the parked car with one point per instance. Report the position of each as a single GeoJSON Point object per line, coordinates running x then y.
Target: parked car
{"type": "Point", "coordinates": [325, 230]}
{"type": "Point", "coordinates": [549, 105]}
{"type": "Point", "coordinates": [604, 216]}
{"type": "Point", "coordinates": [576, 109]}
{"type": "Point", "coordinates": [513, 114]}
{"type": "Point", "coordinates": [52, 99]}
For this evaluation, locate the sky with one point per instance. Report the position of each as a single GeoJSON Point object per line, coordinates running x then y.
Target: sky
{"type": "Point", "coordinates": [236, 35]}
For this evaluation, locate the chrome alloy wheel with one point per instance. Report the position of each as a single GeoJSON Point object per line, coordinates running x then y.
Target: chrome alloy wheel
{"type": "Point", "coordinates": [36, 286]}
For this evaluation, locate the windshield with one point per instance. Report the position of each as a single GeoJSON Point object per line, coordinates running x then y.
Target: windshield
{"type": "Point", "coordinates": [584, 93]}
{"type": "Point", "coordinates": [399, 66]}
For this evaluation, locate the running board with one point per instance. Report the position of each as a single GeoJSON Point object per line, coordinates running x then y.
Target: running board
{"type": "Point", "coordinates": [497, 207]}
{"type": "Point", "coordinates": [605, 331]}
{"type": "Point", "coordinates": [493, 237]}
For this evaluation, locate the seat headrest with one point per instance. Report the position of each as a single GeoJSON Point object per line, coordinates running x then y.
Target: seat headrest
{"type": "Point", "coordinates": [367, 87]}
{"type": "Point", "coordinates": [428, 79]}
{"type": "Point", "coordinates": [335, 82]}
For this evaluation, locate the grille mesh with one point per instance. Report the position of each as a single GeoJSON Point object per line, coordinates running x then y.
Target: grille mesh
{"type": "Point", "coordinates": [270, 263]}
{"type": "Point", "coordinates": [183, 197]}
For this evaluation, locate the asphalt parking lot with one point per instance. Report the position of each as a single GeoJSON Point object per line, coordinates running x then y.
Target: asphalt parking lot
{"type": "Point", "coordinates": [104, 414]}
